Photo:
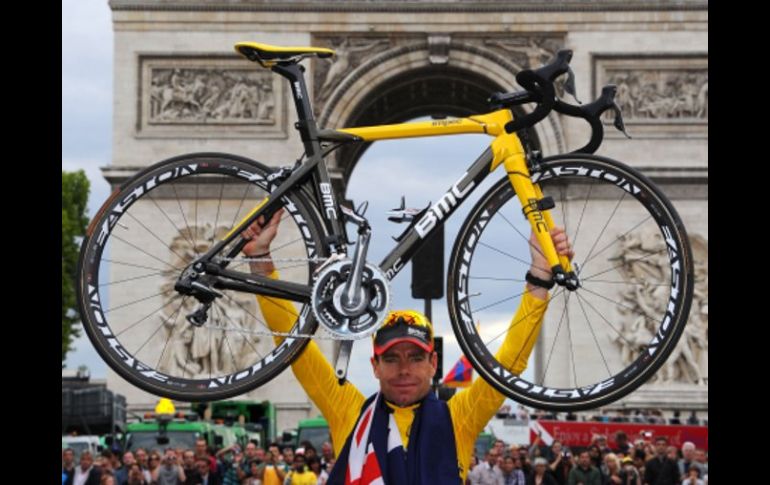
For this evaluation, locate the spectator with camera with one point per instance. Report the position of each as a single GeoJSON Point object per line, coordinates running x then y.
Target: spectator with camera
{"type": "Point", "coordinates": [629, 474]}
{"type": "Point", "coordinates": [169, 472]}
{"type": "Point", "coordinates": [561, 462]}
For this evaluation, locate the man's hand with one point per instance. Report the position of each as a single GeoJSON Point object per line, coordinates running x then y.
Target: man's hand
{"type": "Point", "coordinates": [260, 235]}
{"type": "Point", "coordinates": [539, 266]}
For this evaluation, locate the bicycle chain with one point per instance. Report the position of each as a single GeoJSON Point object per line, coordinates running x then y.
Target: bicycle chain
{"type": "Point", "coordinates": [277, 334]}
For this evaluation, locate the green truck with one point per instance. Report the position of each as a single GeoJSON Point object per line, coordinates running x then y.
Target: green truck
{"type": "Point", "coordinates": [165, 431]}
{"type": "Point", "coordinates": [314, 430]}
{"type": "Point", "coordinates": [256, 419]}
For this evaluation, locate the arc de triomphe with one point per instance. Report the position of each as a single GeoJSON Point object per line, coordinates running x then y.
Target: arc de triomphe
{"type": "Point", "coordinates": [401, 59]}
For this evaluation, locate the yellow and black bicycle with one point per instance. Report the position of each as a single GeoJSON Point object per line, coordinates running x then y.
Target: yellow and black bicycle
{"type": "Point", "coordinates": [168, 299]}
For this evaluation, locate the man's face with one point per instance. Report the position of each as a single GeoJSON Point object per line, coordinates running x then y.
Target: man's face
{"type": "Point", "coordinates": [68, 456]}
{"type": "Point", "coordinates": [700, 456]}
{"type": "Point", "coordinates": [405, 372]}
{"type": "Point", "coordinates": [299, 463]}
{"type": "Point", "coordinates": [492, 456]}
{"type": "Point", "coordinates": [200, 448]}
{"type": "Point", "coordinates": [169, 458]}
{"type": "Point", "coordinates": [141, 456]}
{"type": "Point", "coordinates": [128, 459]}
{"type": "Point", "coordinates": [288, 455]}
{"type": "Point", "coordinates": [660, 447]}
{"type": "Point", "coordinates": [86, 461]}
{"type": "Point", "coordinates": [251, 449]}
{"type": "Point", "coordinates": [259, 454]}
{"type": "Point", "coordinates": [326, 450]}
{"type": "Point", "coordinates": [275, 452]}
{"type": "Point", "coordinates": [688, 452]}
{"type": "Point", "coordinates": [584, 459]}
{"type": "Point", "coordinates": [189, 459]}
{"type": "Point", "coordinates": [507, 465]}
{"type": "Point", "coordinates": [203, 467]}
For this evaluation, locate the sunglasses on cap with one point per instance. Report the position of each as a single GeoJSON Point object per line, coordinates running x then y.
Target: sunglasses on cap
{"type": "Point", "coordinates": [404, 326]}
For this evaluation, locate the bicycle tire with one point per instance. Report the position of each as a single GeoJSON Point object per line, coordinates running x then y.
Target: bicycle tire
{"type": "Point", "coordinates": [575, 182]}
{"type": "Point", "coordinates": [151, 224]}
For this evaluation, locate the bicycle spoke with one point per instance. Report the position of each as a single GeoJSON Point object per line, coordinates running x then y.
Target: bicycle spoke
{"type": "Point", "coordinates": [513, 324]}
{"type": "Point", "coordinates": [631, 283]}
{"type": "Point", "coordinates": [181, 211]}
{"type": "Point", "coordinates": [474, 310]}
{"type": "Point", "coordinates": [582, 212]}
{"type": "Point", "coordinates": [292, 313]}
{"type": "Point", "coordinates": [132, 279]}
{"type": "Point", "coordinates": [170, 301]}
{"type": "Point", "coordinates": [195, 236]}
{"type": "Point", "coordinates": [569, 339]}
{"type": "Point", "coordinates": [601, 233]}
{"type": "Point", "coordinates": [492, 278]}
{"type": "Point", "coordinates": [179, 231]}
{"type": "Point", "coordinates": [596, 340]}
{"type": "Point", "coordinates": [235, 329]}
{"type": "Point", "coordinates": [240, 206]}
{"type": "Point", "coordinates": [232, 354]}
{"type": "Point", "coordinates": [178, 309]}
{"type": "Point", "coordinates": [633, 310]}
{"type": "Point", "coordinates": [264, 324]}
{"type": "Point", "coordinates": [526, 263]}
{"type": "Point", "coordinates": [170, 334]}
{"type": "Point", "coordinates": [521, 234]}
{"type": "Point", "coordinates": [553, 346]}
{"type": "Point", "coordinates": [112, 261]}
{"type": "Point", "coordinates": [216, 219]}
{"type": "Point", "coordinates": [619, 238]}
{"type": "Point", "coordinates": [589, 278]}
{"type": "Point", "coordinates": [155, 235]}
{"type": "Point", "coordinates": [603, 318]}
{"type": "Point", "coordinates": [137, 301]}
{"type": "Point", "coordinates": [145, 252]}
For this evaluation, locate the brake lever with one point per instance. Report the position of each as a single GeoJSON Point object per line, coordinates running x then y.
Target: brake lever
{"type": "Point", "coordinates": [569, 85]}
{"type": "Point", "coordinates": [618, 123]}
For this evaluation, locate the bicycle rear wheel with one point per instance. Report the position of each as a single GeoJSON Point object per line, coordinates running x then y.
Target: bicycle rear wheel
{"type": "Point", "coordinates": [143, 238]}
{"type": "Point", "coordinates": [602, 341]}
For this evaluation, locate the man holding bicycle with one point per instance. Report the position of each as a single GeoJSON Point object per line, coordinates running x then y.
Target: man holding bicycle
{"type": "Point", "coordinates": [435, 439]}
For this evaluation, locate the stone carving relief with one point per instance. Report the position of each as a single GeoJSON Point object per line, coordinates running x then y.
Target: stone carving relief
{"type": "Point", "coordinates": [659, 96]}
{"type": "Point", "coordinates": [209, 97]}
{"type": "Point", "coordinates": [644, 260]}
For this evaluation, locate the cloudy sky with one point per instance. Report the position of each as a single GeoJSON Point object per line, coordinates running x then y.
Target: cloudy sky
{"type": "Point", "coordinates": [434, 164]}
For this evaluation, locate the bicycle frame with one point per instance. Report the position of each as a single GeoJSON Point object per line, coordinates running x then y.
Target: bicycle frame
{"type": "Point", "coordinates": [505, 149]}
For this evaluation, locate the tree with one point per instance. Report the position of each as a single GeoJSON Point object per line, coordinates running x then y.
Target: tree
{"type": "Point", "coordinates": [74, 220]}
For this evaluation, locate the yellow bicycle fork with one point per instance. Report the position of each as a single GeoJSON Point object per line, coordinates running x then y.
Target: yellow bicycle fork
{"type": "Point", "coordinates": [508, 150]}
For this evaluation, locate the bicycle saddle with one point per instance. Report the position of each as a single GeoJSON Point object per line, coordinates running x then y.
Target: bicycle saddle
{"type": "Point", "coordinates": [268, 55]}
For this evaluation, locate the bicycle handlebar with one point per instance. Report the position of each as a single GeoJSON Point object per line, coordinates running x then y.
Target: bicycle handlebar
{"type": "Point", "coordinates": [540, 82]}
{"type": "Point", "coordinates": [539, 88]}
{"type": "Point", "coordinates": [592, 113]}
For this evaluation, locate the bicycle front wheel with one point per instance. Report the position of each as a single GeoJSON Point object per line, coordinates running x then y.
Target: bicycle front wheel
{"type": "Point", "coordinates": [603, 340]}
{"type": "Point", "coordinates": [141, 240]}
